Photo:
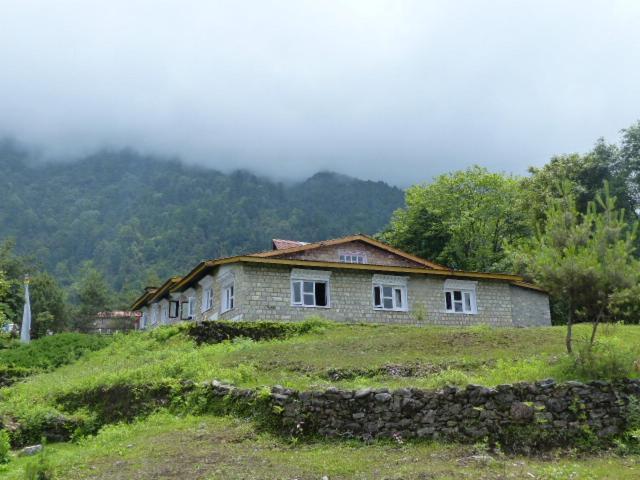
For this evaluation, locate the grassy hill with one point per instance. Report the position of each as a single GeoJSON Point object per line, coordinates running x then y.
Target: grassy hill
{"type": "Point", "coordinates": [138, 216]}
{"type": "Point", "coordinates": [180, 438]}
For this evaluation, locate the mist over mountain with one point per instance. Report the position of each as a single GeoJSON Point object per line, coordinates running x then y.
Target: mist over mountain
{"type": "Point", "coordinates": [142, 217]}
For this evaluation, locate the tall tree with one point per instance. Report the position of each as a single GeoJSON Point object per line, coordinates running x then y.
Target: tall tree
{"type": "Point", "coordinates": [462, 219]}
{"type": "Point", "coordinates": [48, 304]}
{"type": "Point", "coordinates": [582, 259]}
{"type": "Point", "coordinates": [93, 294]}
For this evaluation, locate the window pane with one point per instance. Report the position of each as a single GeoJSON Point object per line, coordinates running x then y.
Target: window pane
{"type": "Point", "coordinates": [376, 297]}
{"type": "Point", "coordinates": [457, 295]}
{"type": "Point", "coordinates": [308, 287]}
{"type": "Point", "coordinates": [387, 292]}
{"type": "Point", "coordinates": [308, 299]}
{"type": "Point", "coordinates": [447, 296]}
{"type": "Point", "coordinates": [467, 302]}
{"type": "Point", "coordinates": [297, 294]}
{"type": "Point", "coordinates": [398, 298]}
{"type": "Point", "coordinates": [343, 258]}
{"type": "Point", "coordinates": [388, 303]}
{"type": "Point", "coordinates": [321, 294]}
{"type": "Point", "coordinates": [458, 306]}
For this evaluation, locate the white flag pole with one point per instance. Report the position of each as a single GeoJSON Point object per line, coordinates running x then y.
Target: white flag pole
{"type": "Point", "coordinates": [25, 332]}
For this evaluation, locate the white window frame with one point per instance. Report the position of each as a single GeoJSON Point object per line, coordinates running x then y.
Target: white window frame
{"type": "Point", "coordinates": [395, 290]}
{"type": "Point", "coordinates": [154, 314]}
{"type": "Point", "coordinates": [468, 297]}
{"type": "Point", "coordinates": [174, 309]}
{"type": "Point", "coordinates": [207, 298]}
{"type": "Point", "coordinates": [352, 257]}
{"type": "Point", "coordinates": [192, 307]}
{"type": "Point", "coordinates": [228, 297]}
{"type": "Point", "coordinates": [164, 312]}
{"type": "Point", "coordinates": [300, 277]}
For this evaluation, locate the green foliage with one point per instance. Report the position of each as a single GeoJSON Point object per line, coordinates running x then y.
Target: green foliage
{"type": "Point", "coordinates": [52, 351]}
{"type": "Point", "coordinates": [93, 295]}
{"type": "Point", "coordinates": [629, 443]}
{"type": "Point", "coordinates": [582, 259]}
{"type": "Point", "coordinates": [48, 304]}
{"type": "Point", "coordinates": [219, 331]}
{"type": "Point", "coordinates": [462, 219]}
{"type": "Point", "coordinates": [140, 218]}
{"type": "Point", "coordinates": [609, 358]}
{"type": "Point", "coordinates": [5, 446]}
{"type": "Point", "coordinates": [40, 468]}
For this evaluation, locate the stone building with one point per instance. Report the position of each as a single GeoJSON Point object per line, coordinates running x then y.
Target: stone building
{"type": "Point", "coordinates": [350, 279]}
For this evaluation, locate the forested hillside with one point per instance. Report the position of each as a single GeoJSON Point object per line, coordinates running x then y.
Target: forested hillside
{"type": "Point", "coordinates": [140, 217]}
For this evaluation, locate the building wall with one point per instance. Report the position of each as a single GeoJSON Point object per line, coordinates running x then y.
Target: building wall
{"type": "Point", "coordinates": [266, 295]}
{"type": "Point", "coordinates": [331, 253]}
{"type": "Point", "coordinates": [529, 307]}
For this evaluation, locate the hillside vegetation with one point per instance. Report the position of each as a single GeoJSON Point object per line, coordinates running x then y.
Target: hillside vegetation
{"type": "Point", "coordinates": [142, 217]}
{"type": "Point", "coordinates": [144, 378]}
{"type": "Point", "coordinates": [137, 373]}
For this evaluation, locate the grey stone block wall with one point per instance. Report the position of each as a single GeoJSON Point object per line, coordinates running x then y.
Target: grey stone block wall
{"type": "Point", "coordinates": [529, 307]}
{"type": "Point", "coordinates": [266, 295]}
{"type": "Point", "coordinates": [263, 292]}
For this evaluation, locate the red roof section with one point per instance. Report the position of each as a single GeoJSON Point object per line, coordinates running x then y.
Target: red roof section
{"type": "Point", "coordinates": [279, 244]}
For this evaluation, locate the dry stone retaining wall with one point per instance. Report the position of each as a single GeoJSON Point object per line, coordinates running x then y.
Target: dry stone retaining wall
{"type": "Point", "coordinates": [521, 416]}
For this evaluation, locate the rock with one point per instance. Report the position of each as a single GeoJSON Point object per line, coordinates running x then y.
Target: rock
{"type": "Point", "coordinates": [29, 451]}
{"type": "Point", "coordinates": [365, 392]}
{"type": "Point", "coordinates": [521, 412]}
{"type": "Point", "coordinates": [383, 397]}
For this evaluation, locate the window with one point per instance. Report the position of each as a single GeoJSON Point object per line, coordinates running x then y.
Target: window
{"type": "Point", "coordinates": [188, 308]}
{"type": "Point", "coordinates": [228, 297]}
{"type": "Point", "coordinates": [390, 297]}
{"type": "Point", "coordinates": [174, 308]}
{"type": "Point", "coordinates": [310, 293]}
{"type": "Point", "coordinates": [353, 258]}
{"type": "Point", "coordinates": [192, 307]}
{"type": "Point", "coordinates": [154, 315]}
{"type": "Point", "coordinates": [207, 299]}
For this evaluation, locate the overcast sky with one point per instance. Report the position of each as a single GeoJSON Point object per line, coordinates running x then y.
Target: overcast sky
{"type": "Point", "coordinates": [392, 90]}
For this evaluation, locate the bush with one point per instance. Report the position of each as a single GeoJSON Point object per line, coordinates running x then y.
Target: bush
{"type": "Point", "coordinates": [52, 351]}
{"type": "Point", "coordinates": [5, 446]}
{"type": "Point", "coordinates": [39, 468]}
{"type": "Point", "coordinates": [219, 331]}
{"type": "Point", "coordinates": [607, 359]}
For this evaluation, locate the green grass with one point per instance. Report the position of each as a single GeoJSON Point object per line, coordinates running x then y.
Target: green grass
{"type": "Point", "coordinates": [169, 447]}
{"type": "Point", "coordinates": [52, 351]}
{"type": "Point", "coordinates": [439, 356]}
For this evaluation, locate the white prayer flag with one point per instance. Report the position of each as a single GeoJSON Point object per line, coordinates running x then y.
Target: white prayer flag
{"type": "Point", "coordinates": [25, 332]}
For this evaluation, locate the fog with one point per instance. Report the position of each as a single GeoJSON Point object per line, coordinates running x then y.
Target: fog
{"type": "Point", "coordinates": [392, 90]}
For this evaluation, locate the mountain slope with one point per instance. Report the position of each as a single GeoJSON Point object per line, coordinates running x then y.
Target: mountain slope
{"type": "Point", "coordinates": [137, 216]}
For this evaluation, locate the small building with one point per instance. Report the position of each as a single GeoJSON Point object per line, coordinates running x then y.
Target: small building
{"type": "Point", "coordinates": [350, 279]}
{"type": "Point", "coordinates": [108, 323]}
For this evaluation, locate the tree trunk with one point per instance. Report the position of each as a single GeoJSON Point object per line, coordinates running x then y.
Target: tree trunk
{"type": "Point", "coordinates": [569, 339]}
{"type": "Point", "coordinates": [595, 327]}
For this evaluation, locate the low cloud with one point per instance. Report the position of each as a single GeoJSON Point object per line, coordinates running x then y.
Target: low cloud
{"type": "Point", "coordinates": [393, 90]}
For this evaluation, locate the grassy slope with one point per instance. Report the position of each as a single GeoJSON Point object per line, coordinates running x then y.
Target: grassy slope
{"type": "Point", "coordinates": [209, 447]}
{"type": "Point", "coordinates": [443, 355]}
{"type": "Point", "coordinates": [167, 447]}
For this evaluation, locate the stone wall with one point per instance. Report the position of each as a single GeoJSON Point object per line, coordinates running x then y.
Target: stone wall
{"type": "Point", "coordinates": [519, 416]}
{"type": "Point", "coordinates": [529, 307]}
{"type": "Point", "coordinates": [267, 296]}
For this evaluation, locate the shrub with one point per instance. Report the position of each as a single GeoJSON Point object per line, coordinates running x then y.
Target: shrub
{"type": "Point", "coordinates": [52, 351]}
{"type": "Point", "coordinates": [219, 331]}
{"type": "Point", "coordinates": [39, 469]}
{"type": "Point", "coordinates": [607, 359]}
{"type": "Point", "coordinates": [5, 446]}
